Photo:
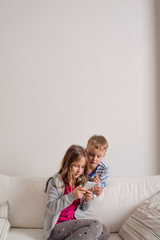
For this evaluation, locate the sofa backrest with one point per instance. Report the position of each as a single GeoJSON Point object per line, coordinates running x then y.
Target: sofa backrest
{"type": "Point", "coordinates": [121, 198]}
{"type": "Point", "coordinates": [27, 200]}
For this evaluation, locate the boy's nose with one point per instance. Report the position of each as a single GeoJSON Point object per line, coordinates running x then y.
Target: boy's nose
{"type": "Point", "coordinates": [95, 157]}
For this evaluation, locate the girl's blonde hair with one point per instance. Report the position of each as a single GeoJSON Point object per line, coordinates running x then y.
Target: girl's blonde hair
{"type": "Point", "coordinates": [73, 154]}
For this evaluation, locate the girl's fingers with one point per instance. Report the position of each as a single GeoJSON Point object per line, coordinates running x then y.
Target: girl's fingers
{"type": "Point", "coordinates": [88, 194]}
{"type": "Point", "coordinates": [80, 188]}
{"type": "Point", "coordinates": [88, 191]}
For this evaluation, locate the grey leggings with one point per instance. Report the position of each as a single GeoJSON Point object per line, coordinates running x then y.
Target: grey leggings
{"type": "Point", "coordinates": [78, 229]}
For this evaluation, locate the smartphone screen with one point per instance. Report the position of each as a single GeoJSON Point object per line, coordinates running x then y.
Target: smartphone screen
{"type": "Point", "coordinates": [89, 185]}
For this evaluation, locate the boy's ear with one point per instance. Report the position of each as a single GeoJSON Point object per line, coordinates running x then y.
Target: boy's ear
{"type": "Point", "coordinates": [105, 154]}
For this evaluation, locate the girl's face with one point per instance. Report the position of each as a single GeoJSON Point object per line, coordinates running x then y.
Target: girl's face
{"type": "Point", "coordinates": [78, 167]}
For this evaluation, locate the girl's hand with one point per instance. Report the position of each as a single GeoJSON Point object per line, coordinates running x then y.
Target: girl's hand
{"type": "Point", "coordinates": [79, 192]}
{"type": "Point", "coordinates": [96, 179]}
{"type": "Point", "coordinates": [88, 195]}
{"type": "Point", "coordinates": [97, 190]}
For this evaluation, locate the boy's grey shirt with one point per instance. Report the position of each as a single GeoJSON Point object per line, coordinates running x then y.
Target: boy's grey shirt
{"type": "Point", "coordinates": [56, 202]}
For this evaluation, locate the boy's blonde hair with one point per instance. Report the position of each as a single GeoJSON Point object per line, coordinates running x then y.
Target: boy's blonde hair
{"type": "Point", "coordinates": [98, 141]}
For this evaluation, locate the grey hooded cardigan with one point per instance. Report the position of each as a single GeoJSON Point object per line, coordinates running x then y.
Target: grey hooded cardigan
{"type": "Point", "coordinates": [56, 202]}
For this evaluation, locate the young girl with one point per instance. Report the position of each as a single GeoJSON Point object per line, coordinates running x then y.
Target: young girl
{"type": "Point", "coordinates": [67, 200]}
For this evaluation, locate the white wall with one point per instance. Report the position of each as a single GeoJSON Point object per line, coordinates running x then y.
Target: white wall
{"type": "Point", "coordinates": [70, 69]}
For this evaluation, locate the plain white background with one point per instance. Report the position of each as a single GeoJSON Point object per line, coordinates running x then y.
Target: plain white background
{"type": "Point", "coordinates": [71, 69]}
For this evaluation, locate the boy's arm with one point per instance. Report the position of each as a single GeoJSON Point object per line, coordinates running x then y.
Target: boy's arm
{"type": "Point", "coordinates": [101, 181]}
{"type": "Point", "coordinates": [103, 178]}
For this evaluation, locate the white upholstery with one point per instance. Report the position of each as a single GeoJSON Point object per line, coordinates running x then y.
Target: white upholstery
{"type": "Point", "coordinates": [26, 199]}
{"type": "Point", "coordinates": [115, 236]}
{"type": "Point", "coordinates": [32, 234]}
{"type": "Point", "coordinates": [27, 203]}
{"type": "Point", "coordinates": [25, 234]}
{"type": "Point", "coordinates": [121, 198]}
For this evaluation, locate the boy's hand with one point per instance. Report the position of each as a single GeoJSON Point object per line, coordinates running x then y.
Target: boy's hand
{"type": "Point", "coordinates": [97, 190]}
{"type": "Point", "coordinates": [96, 179]}
{"type": "Point", "coordinates": [88, 195]}
{"type": "Point", "coordinates": [79, 192]}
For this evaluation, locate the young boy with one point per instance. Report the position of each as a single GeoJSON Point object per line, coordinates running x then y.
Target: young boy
{"type": "Point", "coordinates": [98, 170]}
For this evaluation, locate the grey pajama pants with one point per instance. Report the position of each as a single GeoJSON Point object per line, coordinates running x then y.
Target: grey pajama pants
{"type": "Point", "coordinates": [80, 229]}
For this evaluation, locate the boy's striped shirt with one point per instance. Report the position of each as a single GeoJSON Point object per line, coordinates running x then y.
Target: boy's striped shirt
{"type": "Point", "coordinates": [102, 172]}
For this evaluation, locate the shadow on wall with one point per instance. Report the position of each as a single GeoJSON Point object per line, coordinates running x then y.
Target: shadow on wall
{"type": "Point", "coordinates": [157, 49]}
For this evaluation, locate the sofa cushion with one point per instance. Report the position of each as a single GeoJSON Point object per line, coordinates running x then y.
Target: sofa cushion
{"type": "Point", "coordinates": [144, 223]}
{"type": "Point", "coordinates": [4, 223]}
{"type": "Point", "coordinates": [4, 227]}
{"type": "Point", "coordinates": [4, 210]}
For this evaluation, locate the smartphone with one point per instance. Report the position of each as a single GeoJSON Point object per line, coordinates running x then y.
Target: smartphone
{"type": "Point", "coordinates": [89, 185]}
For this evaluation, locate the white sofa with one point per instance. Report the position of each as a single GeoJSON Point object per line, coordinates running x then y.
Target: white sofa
{"type": "Point", "coordinates": [27, 199]}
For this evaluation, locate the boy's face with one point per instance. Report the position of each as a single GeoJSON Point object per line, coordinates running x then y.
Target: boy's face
{"type": "Point", "coordinates": [95, 156]}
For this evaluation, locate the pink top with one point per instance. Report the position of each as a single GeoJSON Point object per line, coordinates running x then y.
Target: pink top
{"type": "Point", "coordinates": [68, 213]}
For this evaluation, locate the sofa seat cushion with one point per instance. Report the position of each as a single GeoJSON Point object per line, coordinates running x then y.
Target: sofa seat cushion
{"type": "Point", "coordinates": [38, 234]}
{"type": "Point", "coordinates": [25, 234]}
{"type": "Point", "coordinates": [114, 236]}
